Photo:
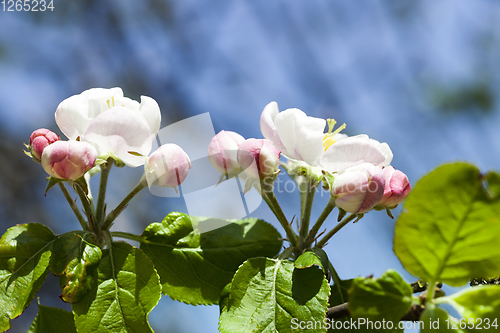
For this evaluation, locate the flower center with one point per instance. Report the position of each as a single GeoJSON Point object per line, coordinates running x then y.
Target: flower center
{"type": "Point", "coordinates": [329, 140]}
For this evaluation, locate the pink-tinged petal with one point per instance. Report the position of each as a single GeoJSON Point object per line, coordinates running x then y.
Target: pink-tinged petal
{"type": "Point", "coordinates": [40, 139]}
{"type": "Point", "coordinates": [359, 188]}
{"type": "Point", "coordinates": [267, 126]}
{"type": "Point", "coordinates": [68, 159]}
{"type": "Point", "coordinates": [397, 187]}
{"type": "Point", "coordinates": [353, 151]}
{"type": "Point", "coordinates": [223, 152]}
{"type": "Point", "coordinates": [151, 112]}
{"type": "Point", "coordinates": [118, 131]}
{"type": "Point", "coordinates": [259, 158]}
{"type": "Point", "coordinates": [167, 166]}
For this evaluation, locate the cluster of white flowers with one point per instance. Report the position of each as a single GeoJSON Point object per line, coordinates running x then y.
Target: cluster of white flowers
{"type": "Point", "coordinates": [101, 124]}
{"type": "Point", "coordinates": [360, 166]}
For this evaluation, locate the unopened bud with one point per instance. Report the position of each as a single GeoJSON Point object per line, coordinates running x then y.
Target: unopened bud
{"type": "Point", "coordinates": [259, 158]}
{"type": "Point", "coordinates": [68, 159]}
{"type": "Point", "coordinates": [223, 152]}
{"type": "Point", "coordinates": [40, 139]}
{"type": "Point", "coordinates": [397, 188]}
{"type": "Point", "coordinates": [359, 188]}
{"type": "Point", "coordinates": [167, 166]}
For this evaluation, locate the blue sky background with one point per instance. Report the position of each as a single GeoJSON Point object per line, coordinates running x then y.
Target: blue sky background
{"type": "Point", "coordinates": [422, 76]}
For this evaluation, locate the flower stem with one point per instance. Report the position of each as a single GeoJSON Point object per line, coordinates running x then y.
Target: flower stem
{"type": "Point", "coordinates": [321, 219]}
{"type": "Point", "coordinates": [431, 289]}
{"type": "Point", "coordinates": [105, 169]}
{"type": "Point", "coordinates": [271, 201]}
{"type": "Point", "coordinates": [73, 206]}
{"type": "Point", "coordinates": [339, 226]}
{"type": "Point", "coordinates": [86, 206]}
{"type": "Point", "coordinates": [306, 216]}
{"type": "Point", "coordinates": [121, 206]}
{"type": "Point", "coordinates": [126, 235]}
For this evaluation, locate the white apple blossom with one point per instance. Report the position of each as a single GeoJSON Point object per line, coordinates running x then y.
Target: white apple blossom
{"type": "Point", "coordinates": [302, 138]}
{"type": "Point", "coordinates": [115, 125]}
{"type": "Point", "coordinates": [167, 166]}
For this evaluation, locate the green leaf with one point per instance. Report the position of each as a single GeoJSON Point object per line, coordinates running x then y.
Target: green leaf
{"type": "Point", "coordinates": [126, 289]}
{"type": "Point", "coordinates": [194, 268]}
{"type": "Point", "coordinates": [434, 319]}
{"type": "Point", "coordinates": [75, 259]}
{"type": "Point", "coordinates": [24, 260]}
{"type": "Point", "coordinates": [315, 256]}
{"type": "Point", "coordinates": [52, 320]}
{"type": "Point", "coordinates": [478, 302]}
{"type": "Point", "coordinates": [339, 296]}
{"type": "Point", "coordinates": [450, 229]}
{"type": "Point", "coordinates": [388, 297]}
{"type": "Point", "coordinates": [270, 295]}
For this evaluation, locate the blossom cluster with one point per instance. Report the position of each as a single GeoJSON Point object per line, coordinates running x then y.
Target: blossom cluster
{"type": "Point", "coordinates": [102, 124]}
{"type": "Point", "coordinates": [359, 170]}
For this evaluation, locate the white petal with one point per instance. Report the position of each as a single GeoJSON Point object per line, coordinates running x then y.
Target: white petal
{"type": "Point", "coordinates": [267, 126]}
{"type": "Point", "coordinates": [353, 151]}
{"type": "Point", "coordinates": [310, 144]}
{"type": "Point", "coordinates": [118, 131]}
{"type": "Point", "coordinates": [151, 112]}
{"type": "Point", "coordinates": [72, 116]}
{"type": "Point", "coordinates": [286, 123]}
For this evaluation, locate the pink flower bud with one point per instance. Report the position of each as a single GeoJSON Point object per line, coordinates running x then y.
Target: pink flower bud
{"type": "Point", "coordinates": [359, 188]}
{"type": "Point", "coordinates": [223, 152]}
{"type": "Point", "coordinates": [68, 159]}
{"type": "Point", "coordinates": [259, 158]}
{"type": "Point", "coordinates": [167, 166]}
{"type": "Point", "coordinates": [40, 139]}
{"type": "Point", "coordinates": [397, 187]}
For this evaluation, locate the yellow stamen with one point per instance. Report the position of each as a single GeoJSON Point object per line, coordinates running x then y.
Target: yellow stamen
{"type": "Point", "coordinates": [108, 103]}
{"type": "Point", "coordinates": [329, 140]}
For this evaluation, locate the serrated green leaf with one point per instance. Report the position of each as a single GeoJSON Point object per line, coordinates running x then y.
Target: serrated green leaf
{"type": "Point", "coordinates": [388, 297]}
{"type": "Point", "coordinates": [450, 229]}
{"type": "Point", "coordinates": [268, 295]}
{"type": "Point", "coordinates": [25, 252]}
{"type": "Point", "coordinates": [127, 288]}
{"type": "Point", "coordinates": [478, 302]}
{"type": "Point", "coordinates": [194, 268]}
{"type": "Point", "coordinates": [75, 258]}
{"type": "Point", "coordinates": [52, 320]}
{"type": "Point", "coordinates": [315, 256]}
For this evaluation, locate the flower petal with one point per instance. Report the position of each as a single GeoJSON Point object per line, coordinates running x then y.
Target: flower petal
{"type": "Point", "coordinates": [118, 131]}
{"type": "Point", "coordinates": [353, 151]}
{"type": "Point", "coordinates": [151, 112]}
{"type": "Point", "coordinates": [267, 126]}
{"type": "Point", "coordinates": [74, 114]}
